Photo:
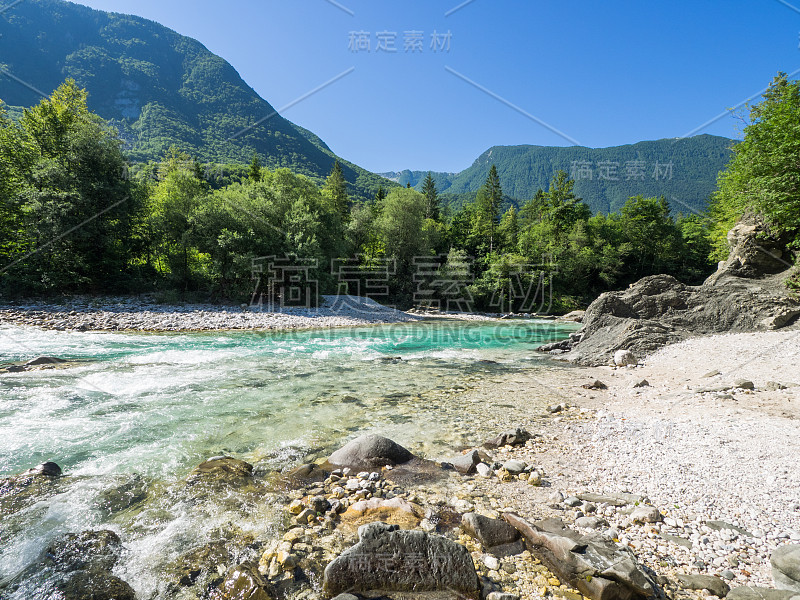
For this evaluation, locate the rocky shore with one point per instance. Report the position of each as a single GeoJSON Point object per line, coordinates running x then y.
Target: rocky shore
{"type": "Point", "coordinates": [144, 314]}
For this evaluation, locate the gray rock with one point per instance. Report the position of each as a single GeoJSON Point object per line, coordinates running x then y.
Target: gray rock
{"type": "Point", "coordinates": [573, 501]}
{"type": "Point", "coordinates": [489, 532]}
{"type": "Point", "coordinates": [641, 384]}
{"type": "Point", "coordinates": [388, 560]}
{"type": "Point", "coordinates": [773, 386]}
{"type": "Point", "coordinates": [514, 466]}
{"type": "Point", "coordinates": [466, 463]}
{"type": "Point", "coordinates": [659, 310]}
{"type": "Point", "coordinates": [346, 597]}
{"type": "Point", "coordinates": [720, 525]}
{"type": "Point", "coordinates": [370, 452]}
{"type": "Point", "coordinates": [591, 522]}
{"type": "Point", "coordinates": [624, 358]}
{"type": "Point", "coordinates": [130, 492]}
{"type": "Point", "coordinates": [484, 470]}
{"type": "Point", "coordinates": [744, 384]}
{"type": "Point", "coordinates": [595, 565]}
{"type": "Point", "coordinates": [95, 585]}
{"type": "Point", "coordinates": [646, 514]}
{"type": "Point", "coordinates": [244, 581]}
{"type": "Point", "coordinates": [676, 540]}
{"type": "Point", "coordinates": [88, 550]}
{"type": "Point", "coordinates": [761, 593]}
{"type": "Point", "coordinates": [785, 561]}
{"type": "Point", "coordinates": [44, 360]}
{"type": "Point", "coordinates": [715, 585]}
{"type": "Point", "coordinates": [501, 596]}
{"type": "Point", "coordinates": [611, 499]}
{"type": "Point", "coordinates": [221, 470]}
{"type": "Point", "coordinates": [47, 469]}
{"type": "Point", "coordinates": [512, 437]}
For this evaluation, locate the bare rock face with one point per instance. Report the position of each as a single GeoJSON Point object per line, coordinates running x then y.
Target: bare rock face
{"type": "Point", "coordinates": [754, 251]}
{"type": "Point", "coordinates": [386, 560]}
{"type": "Point", "coordinates": [745, 294]}
{"type": "Point", "coordinates": [370, 452]}
{"type": "Point", "coordinates": [596, 566]}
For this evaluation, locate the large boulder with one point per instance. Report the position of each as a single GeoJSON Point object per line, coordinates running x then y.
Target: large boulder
{"type": "Point", "coordinates": [88, 550]}
{"type": "Point", "coordinates": [785, 562]}
{"type": "Point", "coordinates": [370, 452]}
{"type": "Point", "coordinates": [755, 251]}
{"type": "Point", "coordinates": [387, 560]}
{"type": "Point", "coordinates": [747, 293]}
{"type": "Point", "coordinates": [659, 310]}
{"type": "Point", "coordinates": [95, 585]}
{"type": "Point", "coordinates": [592, 563]}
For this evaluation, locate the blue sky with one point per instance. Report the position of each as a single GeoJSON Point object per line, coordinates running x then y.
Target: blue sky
{"type": "Point", "coordinates": [600, 73]}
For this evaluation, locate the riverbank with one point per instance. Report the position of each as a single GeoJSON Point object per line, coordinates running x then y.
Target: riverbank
{"type": "Point", "coordinates": [706, 430]}
{"type": "Point", "coordinates": [146, 314]}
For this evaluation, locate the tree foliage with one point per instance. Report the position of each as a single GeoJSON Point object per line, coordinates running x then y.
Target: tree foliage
{"type": "Point", "coordinates": [764, 173]}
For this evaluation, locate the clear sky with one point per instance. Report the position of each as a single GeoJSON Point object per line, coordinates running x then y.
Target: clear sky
{"type": "Point", "coordinates": [595, 73]}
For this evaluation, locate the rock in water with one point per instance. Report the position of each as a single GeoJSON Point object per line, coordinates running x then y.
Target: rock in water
{"type": "Point", "coordinates": [596, 566]}
{"type": "Point", "coordinates": [388, 560]}
{"type": "Point", "coordinates": [221, 469]}
{"type": "Point", "coordinates": [624, 358]}
{"type": "Point", "coordinates": [243, 582]}
{"type": "Point", "coordinates": [95, 585]}
{"type": "Point", "coordinates": [88, 550]}
{"type": "Point", "coordinates": [47, 469]}
{"type": "Point", "coordinates": [785, 562]}
{"type": "Point", "coordinates": [44, 360]}
{"type": "Point", "coordinates": [466, 463]}
{"type": "Point", "coordinates": [370, 452]}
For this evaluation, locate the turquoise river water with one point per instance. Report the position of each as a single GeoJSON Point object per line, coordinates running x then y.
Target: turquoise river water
{"type": "Point", "coordinates": [157, 405]}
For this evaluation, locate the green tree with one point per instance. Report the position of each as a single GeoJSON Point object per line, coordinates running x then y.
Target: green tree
{"type": "Point", "coordinates": [78, 205]}
{"type": "Point", "coordinates": [335, 190]}
{"type": "Point", "coordinates": [432, 197]}
{"type": "Point", "coordinates": [489, 199]}
{"type": "Point", "coordinates": [254, 174]}
{"type": "Point", "coordinates": [405, 234]}
{"type": "Point", "coordinates": [764, 173]}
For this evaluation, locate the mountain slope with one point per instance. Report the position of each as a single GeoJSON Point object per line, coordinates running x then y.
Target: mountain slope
{"type": "Point", "coordinates": [157, 87]}
{"type": "Point", "coordinates": [684, 170]}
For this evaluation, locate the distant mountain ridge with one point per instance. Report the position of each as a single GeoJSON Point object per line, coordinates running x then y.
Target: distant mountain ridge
{"type": "Point", "coordinates": [158, 88]}
{"type": "Point", "coordinates": [684, 170]}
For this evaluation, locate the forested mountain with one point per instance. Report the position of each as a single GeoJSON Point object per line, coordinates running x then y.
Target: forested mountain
{"type": "Point", "coordinates": [683, 170]}
{"type": "Point", "coordinates": [157, 87]}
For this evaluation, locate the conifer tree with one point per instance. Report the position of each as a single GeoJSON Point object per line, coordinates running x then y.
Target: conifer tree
{"type": "Point", "coordinates": [335, 190]}
{"type": "Point", "coordinates": [432, 197]}
{"type": "Point", "coordinates": [255, 169]}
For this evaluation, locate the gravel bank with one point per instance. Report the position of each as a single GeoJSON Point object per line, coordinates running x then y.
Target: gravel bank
{"type": "Point", "coordinates": [720, 462]}
{"type": "Point", "coordinates": [143, 314]}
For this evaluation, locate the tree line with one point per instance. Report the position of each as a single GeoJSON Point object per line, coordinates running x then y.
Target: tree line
{"type": "Point", "coordinates": [76, 218]}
